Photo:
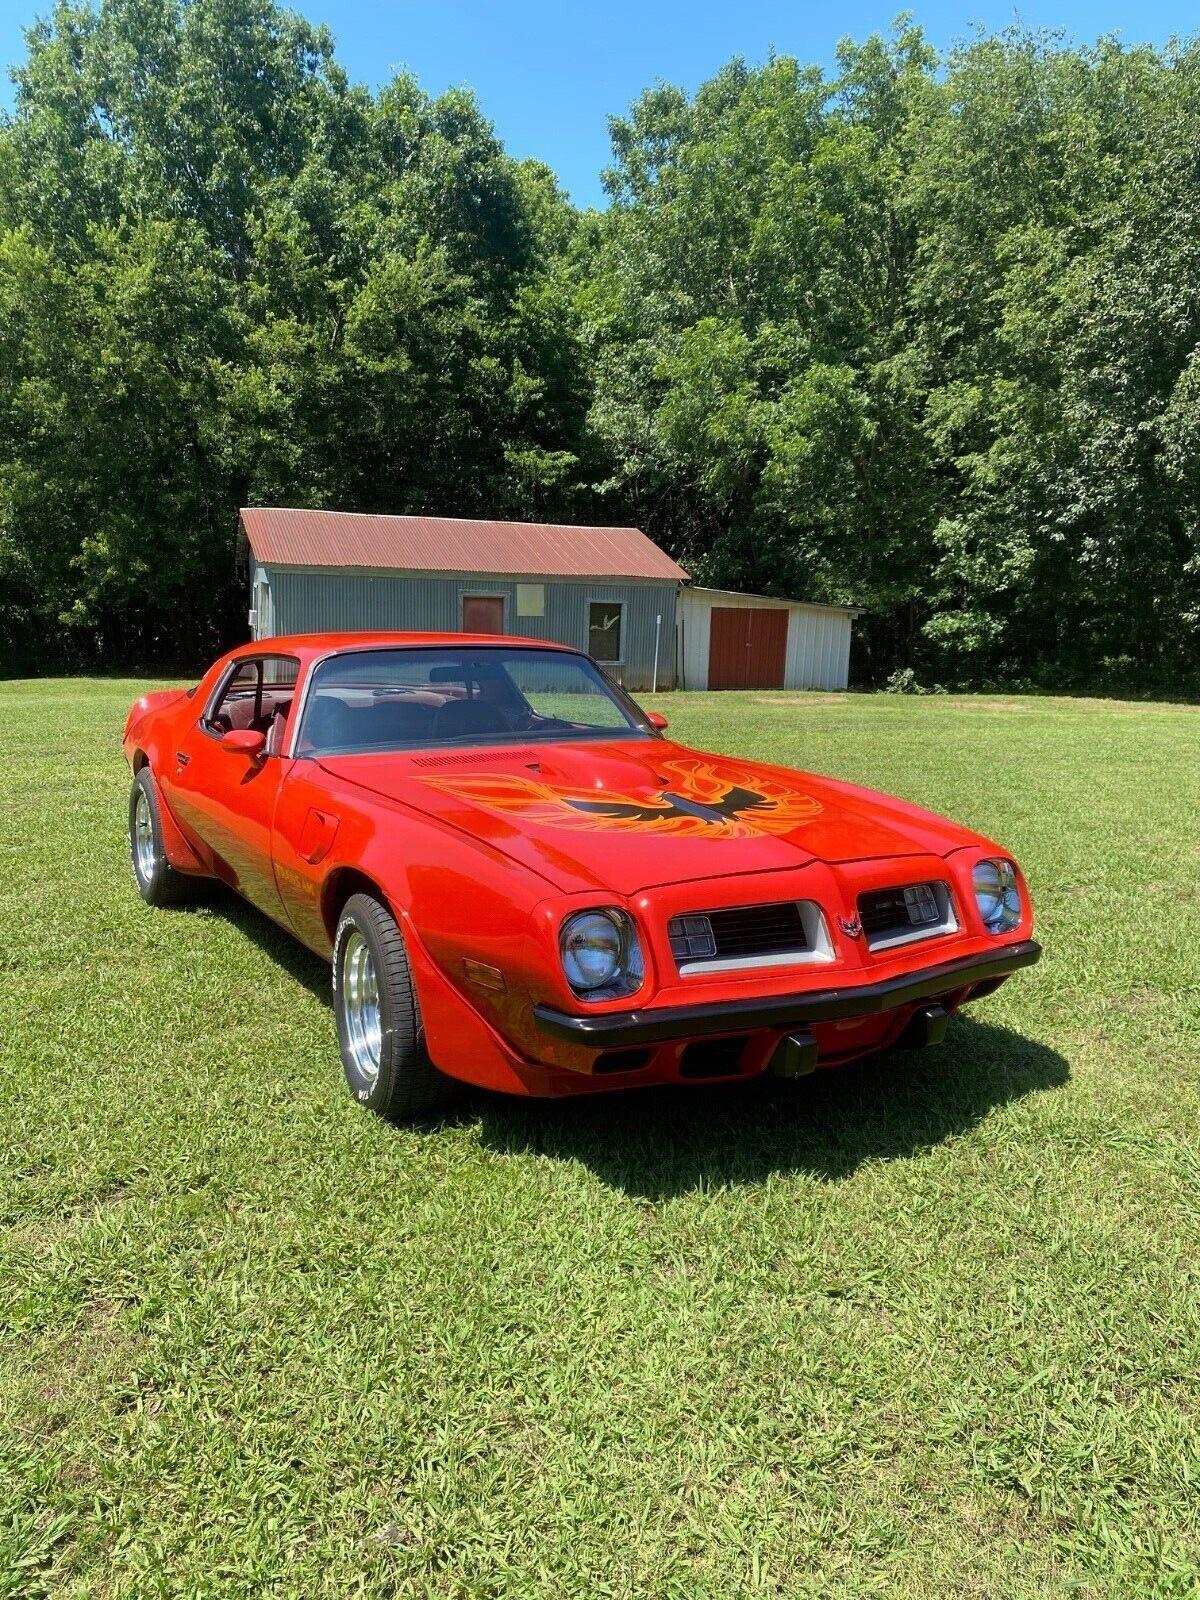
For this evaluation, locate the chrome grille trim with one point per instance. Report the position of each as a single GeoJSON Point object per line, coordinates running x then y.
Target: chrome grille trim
{"type": "Point", "coordinates": [889, 915]}
{"type": "Point", "coordinates": [795, 930]}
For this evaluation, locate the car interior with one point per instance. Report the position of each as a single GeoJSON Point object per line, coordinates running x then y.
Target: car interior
{"type": "Point", "coordinates": [387, 718]}
{"type": "Point", "coordinates": [250, 702]}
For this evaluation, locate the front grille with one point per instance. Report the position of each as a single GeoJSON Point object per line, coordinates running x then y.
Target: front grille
{"type": "Point", "coordinates": [740, 934]}
{"type": "Point", "coordinates": [909, 911]}
{"type": "Point", "coordinates": [882, 909]}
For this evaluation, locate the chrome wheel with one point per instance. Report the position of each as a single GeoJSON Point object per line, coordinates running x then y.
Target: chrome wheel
{"type": "Point", "coordinates": [143, 838]}
{"type": "Point", "coordinates": [359, 991]}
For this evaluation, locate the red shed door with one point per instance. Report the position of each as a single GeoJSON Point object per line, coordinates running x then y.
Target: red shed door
{"type": "Point", "coordinates": [747, 648]}
{"type": "Point", "coordinates": [483, 613]}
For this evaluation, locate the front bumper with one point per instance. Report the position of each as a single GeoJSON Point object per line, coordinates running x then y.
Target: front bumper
{"type": "Point", "coordinates": [617, 1029]}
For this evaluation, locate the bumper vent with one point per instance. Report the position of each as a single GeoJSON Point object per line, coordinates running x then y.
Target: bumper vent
{"type": "Point", "coordinates": [909, 912]}
{"type": "Point", "coordinates": [712, 1058]}
{"type": "Point", "coordinates": [747, 936]}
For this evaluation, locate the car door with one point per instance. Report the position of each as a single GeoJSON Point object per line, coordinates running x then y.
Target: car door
{"type": "Point", "coordinates": [225, 799]}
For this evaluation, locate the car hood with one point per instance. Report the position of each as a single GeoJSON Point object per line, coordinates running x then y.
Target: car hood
{"type": "Point", "coordinates": [632, 814]}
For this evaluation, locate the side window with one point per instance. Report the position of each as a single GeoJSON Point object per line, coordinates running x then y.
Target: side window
{"type": "Point", "coordinates": [234, 706]}
{"type": "Point", "coordinates": [257, 695]}
{"type": "Point", "coordinates": [279, 672]}
{"type": "Point", "coordinates": [605, 623]}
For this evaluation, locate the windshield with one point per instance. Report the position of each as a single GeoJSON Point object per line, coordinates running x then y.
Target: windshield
{"type": "Point", "coordinates": [410, 699]}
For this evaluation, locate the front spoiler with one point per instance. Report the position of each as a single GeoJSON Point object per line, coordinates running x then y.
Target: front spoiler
{"type": "Point", "coordinates": [613, 1028]}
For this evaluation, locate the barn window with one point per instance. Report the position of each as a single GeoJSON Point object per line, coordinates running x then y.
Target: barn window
{"type": "Point", "coordinates": [531, 599]}
{"type": "Point", "coordinates": [605, 624]}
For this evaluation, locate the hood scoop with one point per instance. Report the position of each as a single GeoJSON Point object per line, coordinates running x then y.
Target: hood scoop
{"type": "Point", "coordinates": [476, 758]}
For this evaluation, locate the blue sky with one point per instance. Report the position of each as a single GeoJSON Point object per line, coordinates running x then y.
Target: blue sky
{"type": "Point", "coordinates": [548, 75]}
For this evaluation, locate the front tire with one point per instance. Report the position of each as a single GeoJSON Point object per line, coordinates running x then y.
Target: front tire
{"type": "Point", "coordinates": [158, 882]}
{"type": "Point", "coordinates": [378, 1017]}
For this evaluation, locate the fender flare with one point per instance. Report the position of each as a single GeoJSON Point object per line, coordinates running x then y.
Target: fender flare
{"type": "Point", "coordinates": [175, 846]}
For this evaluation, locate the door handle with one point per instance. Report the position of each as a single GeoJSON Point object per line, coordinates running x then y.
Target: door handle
{"type": "Point", "coordinates": [182, 757]}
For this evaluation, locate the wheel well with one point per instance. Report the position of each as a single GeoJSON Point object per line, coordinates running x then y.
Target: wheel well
{"type": "Point", "coordinates": [340, 885]}
{"type": "Point", "coordinates": [140, 760]}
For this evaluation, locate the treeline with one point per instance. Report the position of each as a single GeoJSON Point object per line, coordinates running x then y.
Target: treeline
{"type": "Point", "coordinates": [922, 336]}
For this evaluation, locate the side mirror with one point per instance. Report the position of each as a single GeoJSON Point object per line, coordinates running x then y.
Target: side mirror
{"type": "Point", "coordinates": [248, 742]}
{"type": "Point", "coordinates": [657, 721]}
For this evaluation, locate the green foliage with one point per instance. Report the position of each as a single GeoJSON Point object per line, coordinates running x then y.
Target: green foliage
{"type": "Point", "coordinates": [755, 374]}
{"type": "Point", "coordinates": [922, 335]}
{"type": "Point", "coordinates": [226, 276]}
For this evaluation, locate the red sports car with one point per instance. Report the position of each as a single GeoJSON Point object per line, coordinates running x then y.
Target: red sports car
{"type": "Point", "coordinates": [522, 883]}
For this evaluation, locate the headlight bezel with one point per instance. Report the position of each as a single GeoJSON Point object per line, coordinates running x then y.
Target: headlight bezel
{"type": "Point", "coordinates": [996, 887]}
{"type": "Point", "coordinates": [627, 973]}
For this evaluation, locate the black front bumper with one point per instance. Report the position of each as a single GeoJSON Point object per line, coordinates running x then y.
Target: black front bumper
{"type": "Point", "coordinates": [604, 1030]}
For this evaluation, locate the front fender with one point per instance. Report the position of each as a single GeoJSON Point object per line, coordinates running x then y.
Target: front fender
{"type": "Point", "coordinates": [141, 723]}
{"type": "Point", "coordinates": [148, 733]}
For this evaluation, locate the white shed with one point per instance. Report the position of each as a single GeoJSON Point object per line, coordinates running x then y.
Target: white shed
{"type": "Point", "coordinates": [749, 641]}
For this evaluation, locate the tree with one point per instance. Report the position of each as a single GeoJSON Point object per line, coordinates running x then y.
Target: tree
{"type": "Point", "coordinates": [923, 337]}
{"type": "Point", "coordinates": [227, 276]}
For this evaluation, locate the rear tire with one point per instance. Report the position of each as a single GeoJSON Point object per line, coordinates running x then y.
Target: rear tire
{"type": "Point", "coordinates": [379, 1019]}
{"type": "Point", "coordinates": [158, 882]}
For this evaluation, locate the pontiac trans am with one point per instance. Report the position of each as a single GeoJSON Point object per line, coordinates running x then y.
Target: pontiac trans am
{"type": "Point", "coordinates": [520, 882]}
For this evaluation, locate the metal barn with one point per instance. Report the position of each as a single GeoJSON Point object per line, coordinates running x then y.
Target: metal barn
{"type": "Point", "coordinates": [609, 591]}
{"type": "Point", "coordinates": [747, 641]}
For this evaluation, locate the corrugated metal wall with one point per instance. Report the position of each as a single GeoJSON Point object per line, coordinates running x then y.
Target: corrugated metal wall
{"type": "Point", "coordinates": [818, 639]}
{"type": "Point", "coordinates": [818, 653]}
{"type": "Point", "coordinates": [315, 602]}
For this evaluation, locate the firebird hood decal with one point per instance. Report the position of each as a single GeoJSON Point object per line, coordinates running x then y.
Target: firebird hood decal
{"type": "Point", "coordinates": [624, 816]}
{"type": "Point", "coordinates": [697, 801]}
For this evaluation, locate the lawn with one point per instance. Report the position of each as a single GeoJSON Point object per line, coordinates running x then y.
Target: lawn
{"type": "Point", "coordinates": [928, 1326]}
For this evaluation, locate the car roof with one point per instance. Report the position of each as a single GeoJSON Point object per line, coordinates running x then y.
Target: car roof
{"type": "Point", "coordinates": [309, 645]}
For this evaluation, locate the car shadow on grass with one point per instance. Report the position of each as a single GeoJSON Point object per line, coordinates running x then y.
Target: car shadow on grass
{"type": "Point", "coordinates": [296, 959]}
{"type": "Point", "coordinates": [656, 1143]}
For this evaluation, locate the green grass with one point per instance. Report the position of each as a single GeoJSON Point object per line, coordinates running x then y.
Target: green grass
{"type": "Point", "coordinates": [926, 1326]}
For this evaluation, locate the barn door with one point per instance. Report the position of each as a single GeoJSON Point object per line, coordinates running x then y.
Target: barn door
{"type": "Point", "coordinates": [747, 647]}
{"type": "Point", "coordinates": [483, 613]}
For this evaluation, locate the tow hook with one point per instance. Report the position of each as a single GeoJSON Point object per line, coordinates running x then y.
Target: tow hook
{"type": "Point", "coordinates": [795, 1056]}
{"type": "Point", "coordinates": [927, 1025]}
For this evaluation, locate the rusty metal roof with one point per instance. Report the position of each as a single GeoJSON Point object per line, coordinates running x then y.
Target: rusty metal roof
{"type": "Point", "coordinates": [352, 539]}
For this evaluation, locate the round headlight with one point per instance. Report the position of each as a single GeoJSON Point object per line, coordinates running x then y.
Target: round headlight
{"type": "Point", "coordinates": [600, 951]}
{"type": "Point", "coordinates": [997, 895]}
